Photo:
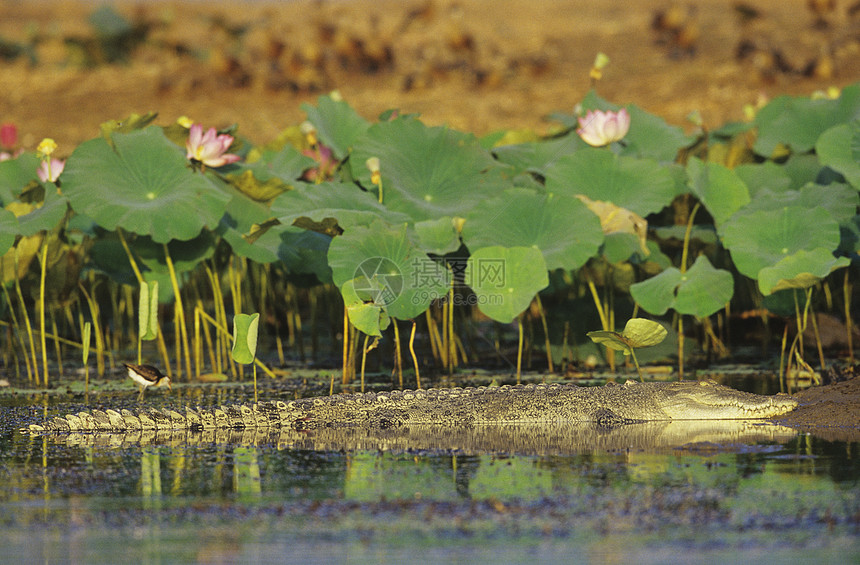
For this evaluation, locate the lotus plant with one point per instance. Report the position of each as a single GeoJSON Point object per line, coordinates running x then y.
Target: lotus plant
{"type": "Point", "coordinates": [209, 149]}
{"type": "Point", "coordinates": [598, 128]}
{"type": "Point", "coordinates": [327, 163]}
{"type": "Point", "coordinates": [50, 169]}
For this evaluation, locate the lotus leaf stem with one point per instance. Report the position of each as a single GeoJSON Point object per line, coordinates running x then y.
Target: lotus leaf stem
{"type": "Point", "coordinates": [398, 362]}
{"type": "Point", "coordinates": [519, 347]}
{"type": "Point", "coordinates": [414, 358]}
{"type": "Point", "coordinates": [364, 359]}
{"type": "Point", "coordinates": [26, 318]}
{"type": "Point", "coordinates": [132, 262]}
{"type": "Point", "coordinates": [550, 364]}
{"type": "Point", "coordinates": [43, 270]}
{"type": "Point", "coordinates": [849, 323]}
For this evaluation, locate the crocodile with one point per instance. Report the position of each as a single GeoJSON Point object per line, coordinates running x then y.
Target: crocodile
{"type": "Point", "coordinates": [537, 404]}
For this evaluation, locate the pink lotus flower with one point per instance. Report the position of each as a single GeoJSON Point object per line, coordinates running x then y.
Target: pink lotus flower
{"type": "Point", "coordinates": [599, 128]}
{"type": "Point", "coordinates": [8, 136]}
{"type": "Point", "coordinates": [327, 163]}
{"type": "Point", "coordinates": [209, 148]}
{"type": "Point", "coordinates": [49, 170]}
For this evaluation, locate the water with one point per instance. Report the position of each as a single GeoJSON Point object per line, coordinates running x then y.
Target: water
{"type": "Point", "coordinates": [766, 497]}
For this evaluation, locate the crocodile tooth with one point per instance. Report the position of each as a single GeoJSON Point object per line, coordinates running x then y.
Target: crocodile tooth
{"type": "Point", "coordinates": [132, 422]}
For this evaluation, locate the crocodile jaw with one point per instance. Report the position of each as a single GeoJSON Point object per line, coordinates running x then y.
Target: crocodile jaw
{"type": "Point", "coordinates": [707, 400]}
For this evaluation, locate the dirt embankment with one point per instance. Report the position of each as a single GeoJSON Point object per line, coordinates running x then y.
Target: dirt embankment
{"type": "Point", "coordinates": [473, 65]}
{"type": "Point", "coordinates": [831, 412]}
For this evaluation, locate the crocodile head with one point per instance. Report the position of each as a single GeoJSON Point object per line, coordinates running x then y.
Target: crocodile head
{"type": "Point", "coordinates": [707, 400]}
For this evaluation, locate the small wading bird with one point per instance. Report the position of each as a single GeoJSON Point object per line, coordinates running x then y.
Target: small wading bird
{"type": "Point", "coordinates": [146, 375]}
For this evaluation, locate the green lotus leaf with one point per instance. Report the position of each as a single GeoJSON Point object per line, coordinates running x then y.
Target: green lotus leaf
{"type": "Point", "coordinates": [245, 328]}
{"type": "Point", "coordinates": [701, 232]}
{"type": "Point", "coordinates": [428, 172]}
{"type": "Point", "coordinates": [798, 122]}
{"type": "Point", "coordinates": [612, 340]}
{"type": "Point", "coordinates": [834, 149]}
{"type": "Point", "coordinates": [561, 226]}
{"type": "Point", "coordinates": [840, 199]}
{"type": "Point", "coordinates": [15, 174]}
{"type": "Point", "coordinates": [144, 185]}
{"type": "Point", "coordinates": [17, 259]}
{"type": "Point", "coordinates": [8, 230]}
{"type": "Point", "coordinates": [505, 279]}
{"type": "Point", "coordinates": [346, 205]}
{"type": "Point", "coordinates": [721, 191]}
{"type": "Point", "coordinates": [397, 274]}
{"type": "Point", "coordinates": [271, 174]}
{"type": "Point", "coordinates": [837, 198]}
{"type": "Point", "coordinates": [338, 125]}
{"type": "Point", "coordinates": [45, 217]}
{"type": "Point", "coordinates": [703, 290]}
{"type": "Point", "coordinates": [438, 236]}
{"type": "Point", "coordinates": [799, 270]}
{"type": "Point", "coordinates": [619, 247]}
{"type": "Point", "coordinates": [86, 333]}
{"type": "Point", "coordinates": [147, 311]}
{"type": "Point", "coordinates": [657, 294]}
{"type": "Point", "coordinates": [304, 252]}
{"type": "Point", "coordinates": [131, 123]}
{"type": "Point", "coordinates": [850, 231]}
{"type": "Point", "coordinates": [855, 141]}
{"type": "Point", "coordinates": [638, 332]}
{"type": "Point", "coordinates": [802, 169]}
{"type": "Point", "coordinates": [364, 313]}
{"type": "Point", "coordinates": [650, 136]}
{"type": "Point", "coordinates": [526, 157]}
{"type": "Point", "coordinates": [761, 176]}
{"type": "Point", "coordinates": [642, 186]}
{"type": "Point", "coordinates": [242, 215]}
{"type": "Point", "coordinates": [762, 238]}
